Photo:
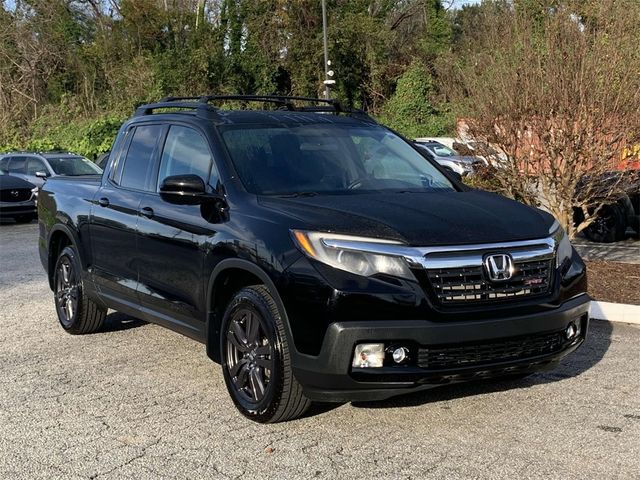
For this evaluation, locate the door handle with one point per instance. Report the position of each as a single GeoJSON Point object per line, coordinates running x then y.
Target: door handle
{"type": "Point", "coordinates": [146, 212]}
{"type": "Point", "coordinates": [103, 202]}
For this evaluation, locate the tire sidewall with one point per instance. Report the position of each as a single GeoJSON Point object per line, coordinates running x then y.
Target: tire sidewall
{"type": "Point", "coordinates": [70, 253]}
{"type": "Point", "coordinates": [265, 409]}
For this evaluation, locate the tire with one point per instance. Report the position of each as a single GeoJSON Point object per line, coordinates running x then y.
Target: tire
{"type": "Point", "coordinates": [77, 313]}
{"type": "Point", "coordinates": [24, 218]}
{"type": "Point", "coordinates": [256, 361]}
{"type": "Point", "coordinates": [610, 225]}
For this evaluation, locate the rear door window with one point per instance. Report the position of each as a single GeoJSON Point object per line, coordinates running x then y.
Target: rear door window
{"type": "Point", "coordinates": [17, 165]}
{"type": "Point", "coordinates": [139, 161]}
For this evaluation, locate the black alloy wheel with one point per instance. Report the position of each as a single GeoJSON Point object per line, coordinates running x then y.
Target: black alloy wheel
{"type": "Point", "coordinates": [256, 361]}
{"type": "Point", "coordinates": [249, 355]}
{"type": "Point", "coordinates": [77, 313]}
{"type": "Point", "coordinates": [66, 291]}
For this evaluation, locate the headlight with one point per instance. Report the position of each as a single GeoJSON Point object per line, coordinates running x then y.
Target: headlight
{"type": "Point", "coordinates": [564, 249]}
{"type": "Point", "coordinates": [350, 254]}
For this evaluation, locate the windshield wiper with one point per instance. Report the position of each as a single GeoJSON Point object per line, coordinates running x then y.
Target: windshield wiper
{"type": "Point", "coordinates": [298, 194]}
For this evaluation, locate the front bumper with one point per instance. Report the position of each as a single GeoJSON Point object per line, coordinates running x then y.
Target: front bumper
{"type": "Point", "coordinates": [329, 376]}
{"type": "Point", "coordinates": [12, 209]}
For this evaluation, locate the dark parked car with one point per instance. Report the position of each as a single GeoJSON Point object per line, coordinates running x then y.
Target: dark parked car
{"type": "Point", "coordinates": [36, 167]}
{"type": "Point", "coordinates": [315, 253]}
{"type": "Point", "coordinates": [17, 199]}
{"type": "Point", "coordinates": [613, 221]}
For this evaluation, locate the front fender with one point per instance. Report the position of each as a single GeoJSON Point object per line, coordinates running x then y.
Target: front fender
{"type": "Point", "coordinates": [214, 318]}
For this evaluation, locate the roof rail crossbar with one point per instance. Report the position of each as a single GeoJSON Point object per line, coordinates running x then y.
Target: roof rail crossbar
{"type": "Point", "coordinates": [177, 99]}
{"type": "Point", "coordinates": [201, 104]}
{"type": "Point", "coordinates": [202, 109]}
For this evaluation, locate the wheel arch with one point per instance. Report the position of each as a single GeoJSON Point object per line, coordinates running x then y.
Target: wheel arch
{"type": "Point", "coordinates": [59, 238]}
{"type": "Point", "coordinates": [227, 278]}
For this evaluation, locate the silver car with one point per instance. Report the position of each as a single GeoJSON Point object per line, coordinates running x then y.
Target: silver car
{"type": "Point", "coordinates": [447, 157]}
{"type": "Point", "coordinates": [37, 167]}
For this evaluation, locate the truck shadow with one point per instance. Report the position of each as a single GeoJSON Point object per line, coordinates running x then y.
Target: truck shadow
{"type": "Point", "coordinates": [117, 321]}
{"type": "Point", "coordinates": [593, 350]}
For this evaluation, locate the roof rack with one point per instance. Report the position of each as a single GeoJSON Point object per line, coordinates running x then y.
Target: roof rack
{"type": "Point", "coordinates": [201, 105]}
{"type": "Point", "coordinates": [39, 152]}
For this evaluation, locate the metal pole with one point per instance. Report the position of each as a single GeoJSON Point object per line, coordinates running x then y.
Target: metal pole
{"type": "Point", "coordinates": [327, 91]}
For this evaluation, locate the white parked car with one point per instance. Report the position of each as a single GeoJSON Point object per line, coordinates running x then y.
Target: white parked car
{"type": "Point", "coordinates": [447, 157]}
{"type": "Point", "coordinates": [36, 167]}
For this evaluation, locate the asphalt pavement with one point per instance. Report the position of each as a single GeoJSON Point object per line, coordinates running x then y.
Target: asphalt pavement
{"type": "Point", "coordinates": [138, 401]}
{"type": "Point", "coordinates": [624, 251]}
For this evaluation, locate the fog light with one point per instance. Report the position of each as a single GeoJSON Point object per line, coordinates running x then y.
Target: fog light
{"type": "Point", "coordinates": [571, 331]}
{"type": "Point", "coordinates": [399, 354]}
{"type": "Point", "coordinates": [368, 355]}
{"type": "Point", "coordinates": [578, 327]}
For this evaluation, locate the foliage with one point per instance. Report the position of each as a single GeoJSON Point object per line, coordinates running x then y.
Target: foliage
{"type": "Point", "coordinates": [411, 109]}
{"type": "Point", "coordinates": [70, 62]}
{"type": "Point", "coordinates": [89, 138]}
{"type": "Point", "coordinates": [554, 87]}
{"type": "Point", "coordinates": [484, 178]}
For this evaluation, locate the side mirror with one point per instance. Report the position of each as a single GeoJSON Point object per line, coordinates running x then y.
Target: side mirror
{"type": "Point", "coordinates": [42, 174]}
{"type": "Point", "coordinates": [190, 190]}
{"type": "Point", "coordinates": [188, 186]}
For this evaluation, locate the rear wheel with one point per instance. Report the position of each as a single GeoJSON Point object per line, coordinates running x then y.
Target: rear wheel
{"type": "Point", "coordinates": [77, 313]}
{"type": "Point", "coordinates": [256, 362]}
{"type": "Point", "coordinates": [609, 226]}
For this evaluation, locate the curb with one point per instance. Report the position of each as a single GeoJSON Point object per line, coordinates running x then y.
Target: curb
{"type": "Point", "coordinates": [615, 312]}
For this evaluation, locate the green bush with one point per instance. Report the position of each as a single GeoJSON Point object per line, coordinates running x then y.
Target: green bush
{"type": "Point", "coordinates": [411, 110]}
{"type": "Point", "coordinates": [85, 137]}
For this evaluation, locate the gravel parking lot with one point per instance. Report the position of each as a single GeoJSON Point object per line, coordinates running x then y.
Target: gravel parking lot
{"type": "Point", "coordinates": [138, 401]}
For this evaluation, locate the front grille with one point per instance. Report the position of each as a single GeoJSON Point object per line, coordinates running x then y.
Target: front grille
{"type": "Point", "coordinates": [469, 355]}
{"type": "Point", "coordinates": [461, 286]}
{"type": "Point", "coordinates": [15, 195]}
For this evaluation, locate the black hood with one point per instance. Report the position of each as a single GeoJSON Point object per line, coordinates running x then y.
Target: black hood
{"type": "Point", "coordinates": [419, 219]}
{"type": "Point", "coordinates": [9, 181]}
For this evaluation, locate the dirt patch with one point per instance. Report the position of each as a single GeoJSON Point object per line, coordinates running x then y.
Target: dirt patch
{"type": "Point", "coordinates": [614, 282]}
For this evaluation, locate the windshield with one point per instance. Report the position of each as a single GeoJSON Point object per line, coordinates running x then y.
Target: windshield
{"type": "Point", "coordinates": [482, 148]}
{"type": "Point", "coordinates": [331, 159]}
{"type": "Point", "coordinates": [442, 151]}
{"type": "Point", "coordinates": [73, 166]}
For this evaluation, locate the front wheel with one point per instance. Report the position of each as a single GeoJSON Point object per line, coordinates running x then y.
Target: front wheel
{"type": "Point", "coordinates": [77, 313]}
{"type": "Point", "coordinates": [609, 225]}
{"type": "Point", "coordinates": [256, 362]}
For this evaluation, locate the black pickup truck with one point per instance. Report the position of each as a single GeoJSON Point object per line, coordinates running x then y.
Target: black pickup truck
{"type": "Point", "coordinates": [318, 255]}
